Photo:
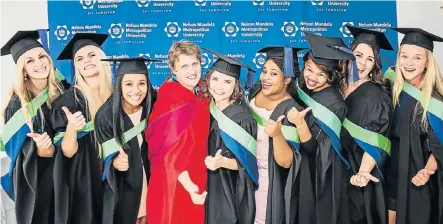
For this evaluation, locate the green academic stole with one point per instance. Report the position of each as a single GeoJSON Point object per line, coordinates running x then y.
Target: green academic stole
{"type": "Point", "coordinates": [290, 133]}
{"type": "Point", "coordinates": [111, 147]}
{"type": "Point", "coordinates": [435, 108]}
{"type": "Point", "coordinates": [238, 141]}
{"type": "Point", "coordinates": [328, 121]}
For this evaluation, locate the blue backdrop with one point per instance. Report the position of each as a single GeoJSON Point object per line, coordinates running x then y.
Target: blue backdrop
{"type": "Point", "coordinates": [237, 28]}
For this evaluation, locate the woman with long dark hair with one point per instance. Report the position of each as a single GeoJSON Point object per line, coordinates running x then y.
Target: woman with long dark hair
{"type": "Point", "coordinates": [119, 125]}
{"type": "Point", "coordinates": [233, 174]}
{"type": "Point", "coordinates": [322, 71]}
{"type": "Point", "coordinates": [369, 116]}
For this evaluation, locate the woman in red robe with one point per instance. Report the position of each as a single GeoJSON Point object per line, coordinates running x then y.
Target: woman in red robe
{"type": "Point", "coordinates": [177, 143]}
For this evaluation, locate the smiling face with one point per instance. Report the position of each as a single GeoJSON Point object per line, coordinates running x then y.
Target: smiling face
{"type": "Point", "coordinates": [187, 69]}
{"type": "Point", "coordinates": [365, 59]}
{"type": "Point", "coordinates": [134, 89]}
{"type": "Point", "coordinates": [221, 86]}
{"type": "Point", "coordinates": [272, 79]}
{"type": "Point", "coordinates": [315, 78]}
{"type": "Point", "coordinates": [412, 60]}
{"type": "Point", "coordinates": [36, 63]}
{"type": "Point", "coordinates": [87, 62]}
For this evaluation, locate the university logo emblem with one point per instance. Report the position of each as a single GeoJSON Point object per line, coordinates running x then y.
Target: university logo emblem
{"type": "Point", "coordinates": [259, 60]}
{"type": "Point", "coordinates": [230, 29]}
{"type": "Point", "coordinates": [172, 29]}
{"type": "Point", "coordinates": [142, 3]}
{"type": "Point", "coordinates": [344, 30]}
{"type": "Point", "coordinates": [61, 32]}
{"type": "Point", "coordinates": [205, 60]}
{"type": "Point", "coordinates": [258, 2]}
{"type": "Point", "coordinates": [88, 4]}
{"type": "Point", "coordinates": [289, 29]}
{"type": "Point", "coordinates": [116, 30]}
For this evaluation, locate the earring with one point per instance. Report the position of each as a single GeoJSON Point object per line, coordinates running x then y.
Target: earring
{"type": "Point", "coordinates": [26, 77]}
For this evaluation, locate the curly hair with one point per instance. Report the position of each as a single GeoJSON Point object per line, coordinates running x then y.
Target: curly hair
{"type": "Point", "coordinates": [183, 47]}
{"type": "Point", "coordinates": [335, 73]}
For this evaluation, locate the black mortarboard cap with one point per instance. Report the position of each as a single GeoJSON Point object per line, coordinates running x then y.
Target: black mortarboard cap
{"type": "Point", "coordinates": [228, 65]}
{"type": "Point", "coordinates": [418, 37]}
{"type": "Point", "coordinates": [132, 65]}
{"type": "Point", "coordinates": [328, 51]}
{"type": "Point", "coordinates": [22, 41]}
{"type": "Point", "coordinates": [370, 37]}
{"type": "Point", "coordinates": [80, 40]}
{"type": "Point", "coordinates": [288, 54]}
{"type": "Point", "coordinates": [232, 67]}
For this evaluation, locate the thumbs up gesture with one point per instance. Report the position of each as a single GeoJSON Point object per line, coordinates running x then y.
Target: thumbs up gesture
{"type": "Point", "coordinates": [214, 162]}
{"type": "Point", "coordinates": [297, 117]}
{"type": "Point", "coordinates": [121, 163]}
{"type": "Point", "coordinates": [45, 148]}
{"type": "Point", "coordinates": [273, 128]}
{"type": "Point", "coordinates": [76, 120]}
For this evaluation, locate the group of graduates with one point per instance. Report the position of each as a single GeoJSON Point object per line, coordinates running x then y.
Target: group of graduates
{"type": "Point", "coordinates": [334, 142]}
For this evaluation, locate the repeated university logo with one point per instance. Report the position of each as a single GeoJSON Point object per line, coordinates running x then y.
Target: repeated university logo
{"type": "Point", "coordinates": [316, 2]}
{"type": "Point", "coordinates": [344, 30]}
{"type": "Point", "coordinates": [172, 29]}
{"type": "Point", "coordinates": [289, 29]}
{"type": "Point", "coordinates": [142, 3]}
{"type": "Point", "coordinates": [116, 30]}
{"type": "Point", "coordinates": [146, 56]}
{"type": "Point", "coordinates": [205, 60]}
{"type": "Point", "coordinates": [61, 32]}
{"type": "Point", "coordinates": [258, 2]}
{"type": "Point", "coordinates": [88, 4]}
{"type": "Point", "coordinates": [200, 2]}
{"type": "Point", "coordinates": [259, 59]}
{"type": "Point", "coordinates": [230, 29]}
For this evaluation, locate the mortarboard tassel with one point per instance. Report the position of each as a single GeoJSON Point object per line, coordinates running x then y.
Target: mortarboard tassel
{"type": "Point", "coordinates": [250, 79]}
{"type": "Point", "coordinates": [44, 39]}
{"type": "Point", "coordinates": [114, 71]}
{"type": "Point", "coordinates": [352, 69]}
{"type": "Point", "coordinates": [288, 62]}
{"type": "Point", "coordinates": [71, 64]}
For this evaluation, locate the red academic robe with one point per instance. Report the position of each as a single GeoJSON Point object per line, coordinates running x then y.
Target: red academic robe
{"type": "Point", "coordinates": [177, 141]}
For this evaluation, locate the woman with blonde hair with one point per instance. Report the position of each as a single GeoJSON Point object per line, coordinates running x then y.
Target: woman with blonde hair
{"type": "Point", "coordinates": [416, 170]}
{"type": "Point", "coordinates": [26, 136]}
{"type": "Point", "coordinates": [77, 184]}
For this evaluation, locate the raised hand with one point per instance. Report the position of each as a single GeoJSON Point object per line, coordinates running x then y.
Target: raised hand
{"type": "Point", "coordinates": [297, 117]}
{"type": "Point", "coordinates": [76, 121]}
{"type": "Point", "coordinates": [45, 148]}
{"type": "Point", "coordinates": [273, 128]}
{"type": "Point", "coordinates": [121, 163]}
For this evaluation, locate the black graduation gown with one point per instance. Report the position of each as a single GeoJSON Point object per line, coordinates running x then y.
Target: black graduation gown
{"type": "Point", "coordinates": [331, 178]}
{"type": "Point", "coordinates": [32, 175]}
{"type": "Point", "coordinates": [77, 183]}
{"type": "Point", "coordinates": [282, 191]}
{"type": "Point", "coordinates": [231, 193]}
{"type": "Point", "coordinates": [122, 190]}
{"type": "Point", "coordinates": [414, 204]}
{"type": "Point", "coordinates": [371, 108]}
